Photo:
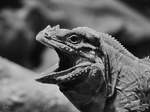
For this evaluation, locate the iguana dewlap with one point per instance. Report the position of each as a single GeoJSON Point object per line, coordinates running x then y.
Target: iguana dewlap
{"type": "Point", "coordinates": [96, 73]}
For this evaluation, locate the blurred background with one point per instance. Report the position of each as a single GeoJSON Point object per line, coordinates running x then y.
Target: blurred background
{"type": "Point", "coordinates": [20, 20]}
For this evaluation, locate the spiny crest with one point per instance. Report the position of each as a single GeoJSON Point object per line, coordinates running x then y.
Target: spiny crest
{"type": "Point", "coordinates": [115, 44]}
{"type": "Point", "coordinates": [107, 38]}
{"type": "Point", "coordinates": [146, 59]}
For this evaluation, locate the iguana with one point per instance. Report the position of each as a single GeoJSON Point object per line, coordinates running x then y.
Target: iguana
{"type": "Point", "coordinates": [96, 73]}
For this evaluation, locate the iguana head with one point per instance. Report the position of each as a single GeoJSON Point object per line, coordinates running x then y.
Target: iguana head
{"type": "Point", "coordinates": [80, 74]}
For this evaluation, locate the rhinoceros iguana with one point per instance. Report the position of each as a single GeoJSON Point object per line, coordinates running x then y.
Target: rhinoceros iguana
{"type": "Point", "coordinates": [96, 73]}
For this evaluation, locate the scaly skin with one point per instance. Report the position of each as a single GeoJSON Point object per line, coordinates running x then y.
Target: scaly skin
{"type": "Point", "coordinates": [96, 73]}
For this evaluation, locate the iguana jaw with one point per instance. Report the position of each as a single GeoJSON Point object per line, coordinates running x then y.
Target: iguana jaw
{"type": "Point", "coordinates": [65, 76]}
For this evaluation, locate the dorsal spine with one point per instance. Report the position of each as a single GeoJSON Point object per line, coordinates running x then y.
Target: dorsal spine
{"type": "Point", "coordinates": [115, 44]}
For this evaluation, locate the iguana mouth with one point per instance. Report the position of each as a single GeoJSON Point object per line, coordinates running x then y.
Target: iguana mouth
{"type": "Point", "coordinates": [69, 61]}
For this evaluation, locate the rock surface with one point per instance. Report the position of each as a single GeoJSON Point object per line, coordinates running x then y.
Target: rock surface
{"type": "Point", "coordinates": [19, 92]}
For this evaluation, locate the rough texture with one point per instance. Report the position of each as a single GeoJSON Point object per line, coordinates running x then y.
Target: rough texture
{"type": "Point", "coordinates": [100, 74]}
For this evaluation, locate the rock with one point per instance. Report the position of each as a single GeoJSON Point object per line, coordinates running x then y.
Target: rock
{"type": "Point", "coordinates": [19, 92]}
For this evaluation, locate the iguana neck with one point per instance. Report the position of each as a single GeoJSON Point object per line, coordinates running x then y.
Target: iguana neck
{"type": "Point", "coordinates": [129, 79]}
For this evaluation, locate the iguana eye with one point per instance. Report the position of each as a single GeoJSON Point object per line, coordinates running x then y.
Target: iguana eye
{"type": "Point", "coordinates": [75, 39]}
